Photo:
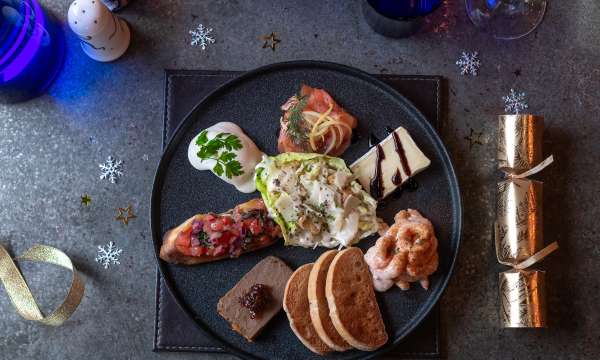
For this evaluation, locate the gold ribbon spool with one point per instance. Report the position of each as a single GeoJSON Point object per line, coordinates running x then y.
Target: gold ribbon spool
{"type": "Point", "coordinates": [19, 292]}
{"type": "Point", "coordinates": [519, 142]}
{"type": "Point", "coordinates": [523, 298]}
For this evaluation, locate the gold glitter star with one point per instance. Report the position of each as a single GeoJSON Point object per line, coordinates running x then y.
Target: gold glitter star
{"type": "Point", "coordinates": [270, 41]}
{"type": "Point", "coordinates": [474, 138]}
{"type": "Point", "coordinates": [86, 200]}
{"type": "Point", "coordinates": [125, 214]}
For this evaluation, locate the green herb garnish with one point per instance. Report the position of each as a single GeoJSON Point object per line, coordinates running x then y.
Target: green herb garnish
{"type": "Point", "coordinates": [296, 128]}
{"type": "Point", "coordinates": [247, 240]}
{"type": "Point", "coordinates": [204, 239]}
{"type": "Point", "coordinates": [322, 208]}
{"type": "Point", "coordinates": [220, 149]}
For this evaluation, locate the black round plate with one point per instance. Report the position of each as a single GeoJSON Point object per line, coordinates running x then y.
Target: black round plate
{"type": "Point", "coordinates": [252, 101]}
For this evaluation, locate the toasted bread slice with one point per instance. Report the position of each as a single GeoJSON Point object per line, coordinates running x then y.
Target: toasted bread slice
{"type": "Point", "coordinates": [295, 305]}
{"type": "Point", "coordinates": [170, 253]}
{"type": "Point", "coordinates": [319, 309]}
{"type": "Point", "coordinates": [352, 304]}
{"type": "Point", "coordinates": [177, 247]}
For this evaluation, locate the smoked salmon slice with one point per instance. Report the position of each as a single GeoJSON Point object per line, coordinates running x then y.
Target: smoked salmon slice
{"type": "Point", "coordinates": [313, 122]}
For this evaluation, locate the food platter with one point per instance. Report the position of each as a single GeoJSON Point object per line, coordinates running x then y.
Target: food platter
{"type": "Point", "coordinates": [253, 101]}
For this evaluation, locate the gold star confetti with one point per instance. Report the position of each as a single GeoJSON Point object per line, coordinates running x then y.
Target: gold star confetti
{"type": "Point", "coordinates": [474, 138]}
{"type": "Point", "coordinates": [125, 214]}
{"type": "Point", "coordinates": [270, 41]}
{"type": "Point", "coordinates": [86, 200]}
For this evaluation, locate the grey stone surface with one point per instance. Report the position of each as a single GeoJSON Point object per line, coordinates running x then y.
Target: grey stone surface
{"type": "Point", "coordinates": [48, 161]}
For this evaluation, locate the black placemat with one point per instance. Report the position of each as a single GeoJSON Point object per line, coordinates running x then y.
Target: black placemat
{"type": "Point", "coordinates": [174, 330]}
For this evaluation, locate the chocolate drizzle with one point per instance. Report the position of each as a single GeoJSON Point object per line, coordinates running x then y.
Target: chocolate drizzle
{"type": "Point", "coordinates": [410, 185]}
{"type": "Point", "coordinates": [401, 154]}
{"type": "Point", "coordinates": [376, 185]}
{"type": "Point", "coordinates": [397, 178]}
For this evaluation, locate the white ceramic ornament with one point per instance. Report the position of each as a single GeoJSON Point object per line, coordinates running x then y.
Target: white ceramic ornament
{"type": "Point", "coordinates": [104, 36]}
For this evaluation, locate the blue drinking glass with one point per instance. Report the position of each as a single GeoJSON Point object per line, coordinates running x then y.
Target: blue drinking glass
{"type": "Point", "coordinates": [397, 18]}
{"type": "Point", "coordinates": [32, 49]}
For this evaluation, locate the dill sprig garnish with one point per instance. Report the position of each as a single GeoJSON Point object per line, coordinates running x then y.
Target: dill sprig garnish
{"type": "Point", "coordinates": [296, 128]}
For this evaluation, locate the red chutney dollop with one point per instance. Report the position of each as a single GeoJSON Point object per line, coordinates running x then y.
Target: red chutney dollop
{"type": "Point", "coordinates": [227, 234]}
{"type": "Point", "coordinates": [256, 299]}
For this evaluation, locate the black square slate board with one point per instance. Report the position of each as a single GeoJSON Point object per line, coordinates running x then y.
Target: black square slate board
{"type": "Point", "coordinates": [174, 330]}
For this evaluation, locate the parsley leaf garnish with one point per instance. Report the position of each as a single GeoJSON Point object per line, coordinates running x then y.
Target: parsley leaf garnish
{"type": "Point", "coordinates": [221, 149]}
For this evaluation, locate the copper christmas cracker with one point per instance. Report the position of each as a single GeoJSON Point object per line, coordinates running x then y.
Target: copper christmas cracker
{"type": "Point", "coordinates": [518, 229]}
{"type": "Point", "coordinates": [523, 298]}
{"type": "Point", "coordinates": [519, 142]}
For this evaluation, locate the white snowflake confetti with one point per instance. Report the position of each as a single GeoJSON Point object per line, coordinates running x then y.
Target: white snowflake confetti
{"type": "Point", "coordinates": [469, 63]}
{"type": "Point", "coordinates": [111, 170]}
{"type": "Point", "coordinates": [201, 37]}
{"type": "Point", "coordinates": [145, 157]}
{"type": "Point", "coordinates": [108, 255]}
{"type": "Point", "coordinates": [514, 102]}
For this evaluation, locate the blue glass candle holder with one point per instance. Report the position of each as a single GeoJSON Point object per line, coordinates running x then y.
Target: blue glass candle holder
{"type": "Point", "coordinates": [32, 48]}
{"type": "Point", "coordinates": [397, 18]}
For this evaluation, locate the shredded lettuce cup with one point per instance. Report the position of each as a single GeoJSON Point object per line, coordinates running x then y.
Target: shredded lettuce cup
{"type": "Point", "coordinates": [316, 200]}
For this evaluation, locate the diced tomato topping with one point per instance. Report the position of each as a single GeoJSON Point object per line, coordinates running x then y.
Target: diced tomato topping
{"type": "Point", "coordinates": [218, 235]}
{"type": "Point", "coordinates": [216, 226]}
{"type": "Point", "coordinates": [210, 217]}
{"type": "Point", "coordinates": [185, 250]}
{"type": "Point", "coordinates": [264, 239]}
{"type": "Point", "coordinates": [219, 250]}
{"type": "Point", "coordinates": [225, 239]}
{"type": "Point", "coordinates": [255, 227]}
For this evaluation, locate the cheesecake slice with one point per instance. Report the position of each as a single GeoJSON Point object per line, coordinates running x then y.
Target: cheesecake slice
{"type": "Point", "coordinates": [389, 164]}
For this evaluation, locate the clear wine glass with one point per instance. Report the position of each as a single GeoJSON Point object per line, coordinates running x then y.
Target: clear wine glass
{"type": "Point", "coordinates": [506, 19]}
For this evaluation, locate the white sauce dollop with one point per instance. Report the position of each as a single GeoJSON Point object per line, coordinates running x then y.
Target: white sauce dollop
{"type": "Point", "coordinates": [248, 156]}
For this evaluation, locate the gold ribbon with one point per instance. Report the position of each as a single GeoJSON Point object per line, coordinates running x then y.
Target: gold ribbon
{"type": "Point", "coordinates": [534, 170]}
{"type": "Point", "coordinates": [537, 257]}
{"type": "Point", "coordinates": [19, 292]}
